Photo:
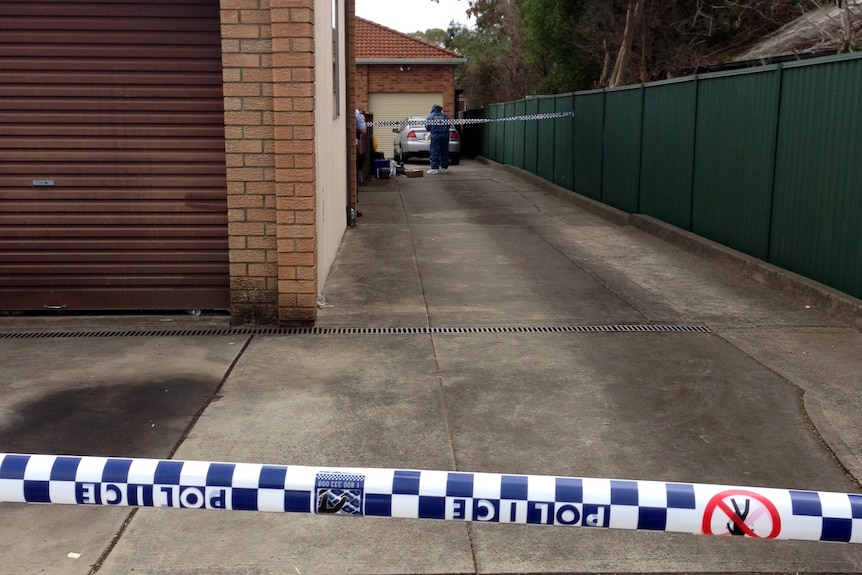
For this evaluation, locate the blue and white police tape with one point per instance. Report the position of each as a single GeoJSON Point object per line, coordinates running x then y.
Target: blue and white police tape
{"type": "Point", "coordinates": [469, 121]}
{"type": "Point", "coordinates": [763, 513]}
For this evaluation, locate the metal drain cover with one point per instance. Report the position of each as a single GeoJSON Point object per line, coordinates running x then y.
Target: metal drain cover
{"type": "Point", "coordinates": [619, 328]}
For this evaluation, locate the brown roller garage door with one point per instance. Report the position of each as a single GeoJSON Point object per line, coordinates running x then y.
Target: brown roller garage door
{"type": "Point", "coordinates": [112, 162]}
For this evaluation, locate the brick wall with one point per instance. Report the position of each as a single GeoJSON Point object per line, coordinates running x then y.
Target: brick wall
{"type": "Point", "coordinates": [249, 144]}
{"type": "Point", "coordinates": [361, 87]}
{"type": "Point", "coordinates": [390, 79]}
{"type": "Point", "coordinates": [268, 60]}
{"type": "Point", "coordinates": [293, 77]}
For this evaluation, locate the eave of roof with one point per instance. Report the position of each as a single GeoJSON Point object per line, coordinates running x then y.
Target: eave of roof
{"type": "Point", "coordinates": [451, 61]}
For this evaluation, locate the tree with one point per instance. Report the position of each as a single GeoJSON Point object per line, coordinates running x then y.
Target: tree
{"type": "Point", "coordinates": [436, 36]}
{"type": "Point", "coordinates": [558, 55]}
{"type": "Point", "coordinates": [841, 24]}
{"type": "Point", "coordinates": [497, 69]}
{"type": "Point", "coordinates": [634, 15]}
{"type": "Point", "coordinates": [522, 47]}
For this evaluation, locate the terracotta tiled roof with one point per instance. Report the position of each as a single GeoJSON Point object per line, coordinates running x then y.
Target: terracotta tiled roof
{"type": "Point", "coordinates": [376, 42]}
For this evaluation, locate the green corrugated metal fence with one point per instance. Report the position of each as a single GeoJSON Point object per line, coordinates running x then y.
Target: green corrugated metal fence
{"type": "Point", "coordinates": [509, 134]}
{"type": "Point", "coordinates": [667, 152]}
{"type": "Point", "coordinates": [589, 121]}
{"type": "Point", "coordinates": [563, 137]}
{"type": "Point", "coordinates": [622, 143]}
{"type": "Point", "coordinates": [519, 136]}
{"type": "Point", "coordinates": [816, 226]}
{"type": "Point", "coordinates": [531, 138]}
{"type": "Point", "coordinates": [734, 159]}
{"type": "Point", "coordinates": [545, 160]}
{"type": "Point", "coordinates": [764, 160]}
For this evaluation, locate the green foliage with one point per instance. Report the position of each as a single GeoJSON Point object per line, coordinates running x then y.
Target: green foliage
{"type": "Point", "coordinates": [554, 45]}
{"type": "Point", "coordinates": [495, 68]}
{"type": "Point", "coordinates": [521, 47]}
{"type": "Point", "coordinates": [436, 36]}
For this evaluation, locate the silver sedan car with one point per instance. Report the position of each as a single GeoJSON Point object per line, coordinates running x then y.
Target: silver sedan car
{"type": "Point", "coordinates": [414, 141]}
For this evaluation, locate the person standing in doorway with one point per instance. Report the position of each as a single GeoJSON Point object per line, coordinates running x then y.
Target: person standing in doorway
{"type": "Point", "coordinates": [438, 126]}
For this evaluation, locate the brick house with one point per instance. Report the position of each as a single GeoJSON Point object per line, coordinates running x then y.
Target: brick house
{"type": "Point", "coordinates": [167, 154]}
{"type": "Point", "coordinates": [399, 76]}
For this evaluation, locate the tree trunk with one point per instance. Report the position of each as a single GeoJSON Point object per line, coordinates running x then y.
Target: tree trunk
{"type": "Point", "coordinates": [634, 14]}
{"type": "Point", "coordinates": [845, 24]}
{"type": "Point", "coordinates": [606, 65]}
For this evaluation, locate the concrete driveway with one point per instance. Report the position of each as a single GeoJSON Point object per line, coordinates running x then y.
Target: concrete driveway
{"type": "Point", "coordinates": [739, 383]}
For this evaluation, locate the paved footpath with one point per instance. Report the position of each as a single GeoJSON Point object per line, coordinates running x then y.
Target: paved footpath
{"type": "Point", "coordinates": [766, 392]}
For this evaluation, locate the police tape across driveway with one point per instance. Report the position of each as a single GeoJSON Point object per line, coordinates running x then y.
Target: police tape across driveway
{"type": "Point", "coordinates": [755, 512]}
{"type": "Point", "coordinates": [470, 121]}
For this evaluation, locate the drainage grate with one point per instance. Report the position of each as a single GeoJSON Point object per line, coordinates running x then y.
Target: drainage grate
{"type": "Point", "coordinates": [621, 328]}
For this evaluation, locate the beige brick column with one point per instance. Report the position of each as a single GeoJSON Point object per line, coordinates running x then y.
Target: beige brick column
{"type": "Point", "coordinates": [247, 72]}
{"type": "Point", "coordinates": [268, 61]}
{"type": "Point", "coordinates": [293, 122]}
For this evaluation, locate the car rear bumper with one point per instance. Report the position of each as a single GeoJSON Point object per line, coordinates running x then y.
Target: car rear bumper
{"type": "Point", "coordinates": [422, 151]}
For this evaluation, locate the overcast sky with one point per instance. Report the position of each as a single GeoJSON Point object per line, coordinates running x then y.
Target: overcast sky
{"type": "Point", "coordinates": [414, 15]}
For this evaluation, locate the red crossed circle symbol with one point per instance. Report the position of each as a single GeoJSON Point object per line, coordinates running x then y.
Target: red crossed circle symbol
{"type": "Point", "coordinates": [718, 503]}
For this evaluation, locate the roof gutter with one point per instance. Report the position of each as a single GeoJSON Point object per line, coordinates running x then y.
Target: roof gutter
{"type": "Point", "coordinates": [397, 61]}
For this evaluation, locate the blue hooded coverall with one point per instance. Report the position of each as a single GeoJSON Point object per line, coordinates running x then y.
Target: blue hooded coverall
{"type": "Point", "coordinates": [439, 138]}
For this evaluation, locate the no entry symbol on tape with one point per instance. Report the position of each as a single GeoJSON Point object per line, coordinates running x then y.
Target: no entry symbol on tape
{"type": "Point", "coordinates": [740, 512]}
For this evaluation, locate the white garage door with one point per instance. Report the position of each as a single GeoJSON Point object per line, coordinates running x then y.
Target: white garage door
{"type": "Point", "coordinates": [394, 107]}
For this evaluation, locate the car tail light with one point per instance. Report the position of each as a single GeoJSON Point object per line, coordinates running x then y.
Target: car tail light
{"type": "Point", "coordinates": [453, 135]}
{"type": "Point", "coordinates": [411, 135]}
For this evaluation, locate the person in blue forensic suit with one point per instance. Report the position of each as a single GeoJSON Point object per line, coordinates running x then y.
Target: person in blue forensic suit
{"type": "Point", "coordinates": [439, 139]}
